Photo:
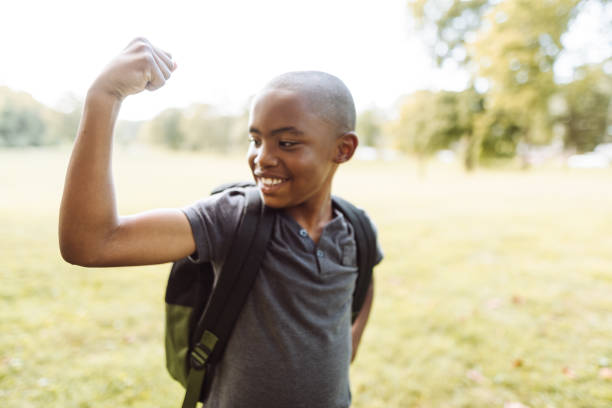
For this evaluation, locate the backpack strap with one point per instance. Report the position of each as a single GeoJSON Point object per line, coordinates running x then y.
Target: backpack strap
{"type": "Point", "coordinates": [366, 250]}
{"type": "Point", "coordinates": [234, 283]}
{"type": "Point", "coordinates": [225, 186]}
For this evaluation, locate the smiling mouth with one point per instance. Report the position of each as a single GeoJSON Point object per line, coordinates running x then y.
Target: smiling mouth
{"type": "Point", "coordinates": [269, 182]}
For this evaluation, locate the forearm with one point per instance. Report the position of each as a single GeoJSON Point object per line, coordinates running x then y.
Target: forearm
{"type": "Point", "coordinates": [88, 211]}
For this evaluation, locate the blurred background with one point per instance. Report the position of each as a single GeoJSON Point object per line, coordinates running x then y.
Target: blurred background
{"type": "Point", "coordinates": [485, 160]}
{"type": "Point", "coordinates": [490, 80]}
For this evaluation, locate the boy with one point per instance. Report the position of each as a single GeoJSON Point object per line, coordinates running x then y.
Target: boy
{"type": "Point", "coordinates": [291, 345]}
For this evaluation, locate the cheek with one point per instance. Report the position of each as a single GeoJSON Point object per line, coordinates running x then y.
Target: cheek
{"type": "Point", "coordinates": [311, 165]}
{"type": "Point", "coordinates": [251, 156]}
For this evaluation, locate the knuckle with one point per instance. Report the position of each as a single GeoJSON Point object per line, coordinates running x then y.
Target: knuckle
{"type": "Point", "coordinates": [158, 83]}
{"type": "Point", "coordinates": [146, 58]}
{"type": "Point", "coordinates": [137, 44]}
{"type": "Point", "coordinates": [143, 47]}
{"type": "Point", "coordinates": [140, 40]}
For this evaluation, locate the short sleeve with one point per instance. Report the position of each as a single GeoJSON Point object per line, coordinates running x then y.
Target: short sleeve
{"type": "Point", "coordinates": [214, 221]}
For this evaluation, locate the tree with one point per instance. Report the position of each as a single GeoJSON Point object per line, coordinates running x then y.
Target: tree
{"type": "Point", "coordinates": [21, 126]}
{"type": "Point", "coordinates": [205, 129]}
{"type": "Point", "coordinates": [511, 46]}
{"type": "Point", "coordinates": [447, 26]}
{"type": "Point", "coordinates": [165, 129]}
{"type": "Point", "coordinates": [22, 120]}
{"type": "Point", "coordinates": [586, 108]}
{"type": "Point", "coordinates": [430, 121]}
{"type": "Point", "coordinates": [199, 127]}
{"type": "Point", "coordinates": [63, 123]}
{"type": "Point", "coordinates": [515, 51]}
{"type": "Point", "coordinates": [500, 134]}
{"type": "Point", "coordinates": [369, 127]}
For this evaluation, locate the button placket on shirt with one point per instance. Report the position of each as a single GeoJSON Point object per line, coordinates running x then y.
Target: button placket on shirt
{"type": "Point", "coordinates": [319, 254]}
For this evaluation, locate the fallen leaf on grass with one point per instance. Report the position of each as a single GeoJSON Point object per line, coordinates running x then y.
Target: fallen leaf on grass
{"type": "Point", "coordinates": [605, 373]}
{"type": "Point", "coordinates": [569, 373]}
{"type": "Point", "coordinates": [517, 300]}
{"type": "Point", "coordinates": [517, 363]}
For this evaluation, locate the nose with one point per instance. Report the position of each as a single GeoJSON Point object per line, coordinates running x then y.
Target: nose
{"type": "Point", "coordinates": [265, 155]}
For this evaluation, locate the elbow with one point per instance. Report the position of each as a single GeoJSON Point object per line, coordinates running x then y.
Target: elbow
{"type": "Point", "coordinates": [75, 255]}
{"type": "Point", "coordinates": [76, 251]}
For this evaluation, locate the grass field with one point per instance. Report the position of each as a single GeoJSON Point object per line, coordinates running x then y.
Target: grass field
{"type": "Point", "coordinates": [496, 288]}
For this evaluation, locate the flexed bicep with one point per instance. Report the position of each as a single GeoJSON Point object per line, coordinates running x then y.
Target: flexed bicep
{"type": "Point", "coordinates": [91, 232]}
{"type": "Point", "coordinates": [152, 237]}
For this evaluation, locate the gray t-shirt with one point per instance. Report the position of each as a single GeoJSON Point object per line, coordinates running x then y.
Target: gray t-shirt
{"type": "Point", "coordinates": [291, 345]}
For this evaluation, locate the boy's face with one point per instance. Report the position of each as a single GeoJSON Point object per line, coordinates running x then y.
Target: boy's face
{"type": "Point", "coordinates": [292, 151]}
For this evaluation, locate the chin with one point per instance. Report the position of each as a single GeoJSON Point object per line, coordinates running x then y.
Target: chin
{"type": "Point", "coordinates": [274, 203]}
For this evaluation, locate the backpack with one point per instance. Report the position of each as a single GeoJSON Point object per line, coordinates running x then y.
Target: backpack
{"type": "Point", "coordinates": [201, 315]}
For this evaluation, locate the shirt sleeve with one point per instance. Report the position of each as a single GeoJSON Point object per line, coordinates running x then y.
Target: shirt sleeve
{"type": "Point", "coordinates": [214, 221]}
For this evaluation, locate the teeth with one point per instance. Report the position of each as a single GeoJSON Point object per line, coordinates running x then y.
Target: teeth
{"type": "Point", "coordinates": [271, 181]}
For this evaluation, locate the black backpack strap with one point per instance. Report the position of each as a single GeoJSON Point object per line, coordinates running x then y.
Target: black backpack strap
{"type": "Point", "coordinates": [234, 283]}
{"type": "Point", "coordinates": [366, 250]}
{"type": "Point", "coordinates": [225, 186]}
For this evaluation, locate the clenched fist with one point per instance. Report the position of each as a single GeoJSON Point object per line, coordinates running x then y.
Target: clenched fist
{"type": "Point", "coordinates": [140, 66]}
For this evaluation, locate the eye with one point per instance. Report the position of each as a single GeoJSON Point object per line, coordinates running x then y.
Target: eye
{"type": "Point", "coordinates": [287, 144]}
{"type": "Point", "coordinates": [255, 142]}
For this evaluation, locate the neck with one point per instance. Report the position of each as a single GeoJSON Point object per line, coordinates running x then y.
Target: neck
{"type": "Point", "coordinates": [313, 215]}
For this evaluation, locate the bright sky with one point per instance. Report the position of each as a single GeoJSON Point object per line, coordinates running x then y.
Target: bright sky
{"type": "Point", "coordinates": [226, 50]}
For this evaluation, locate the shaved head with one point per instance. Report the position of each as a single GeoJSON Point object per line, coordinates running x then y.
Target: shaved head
{"type": "Point", "coordinates": [327, 96]}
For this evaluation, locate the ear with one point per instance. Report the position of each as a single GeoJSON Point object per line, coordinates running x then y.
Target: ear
{"type": "Point", "coordinates": [345, 147]}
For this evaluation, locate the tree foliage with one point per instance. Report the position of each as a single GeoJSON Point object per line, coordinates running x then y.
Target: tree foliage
{"type": "Point", "coordinates": [21, 126]}
{"type": "Point", "coordinates": [515, 51]}
{"type": "Point", "coordinates": [447, 25]}
{"type": "Point", "coordinates": [165, 129]}
{"type": "Point", "coordinates": [429, 121]}
{"type": "Point", "coordinates": [22, 120]}
{"type": "Point", "coordinates": [26, 122]}
{"type": "Point", "coordinates": [586, 111]}
{"type": "Point", "coordinates": [370, 127]}
{"type": "Point", "coordinates": [199, 127]}
{"type": "Point", "coordinates": [509, 48]}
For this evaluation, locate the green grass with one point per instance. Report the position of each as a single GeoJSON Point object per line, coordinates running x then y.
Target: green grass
{"type": "Point", "coordinates": [496, 287]}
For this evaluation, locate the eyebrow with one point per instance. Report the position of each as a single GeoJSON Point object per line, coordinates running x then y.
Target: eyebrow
{"type": "Point", "coordinates": [286, 129]}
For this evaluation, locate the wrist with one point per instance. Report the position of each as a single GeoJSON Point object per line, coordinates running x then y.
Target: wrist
{"type": "Point", "coordinates": [98, 96]}
{"type": "Point", "coordinates": [97, 92]}
{"type": "Point", "coordinates": [100, 104]}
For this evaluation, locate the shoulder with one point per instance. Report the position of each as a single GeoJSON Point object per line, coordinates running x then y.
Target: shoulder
{"type": "Point", "coordinates": [354, 214]}
{"type": "Point", "coordinates": [214, 220]}
{"type": "Point", "coordinates": [224, 203]}
{"type": "Point", "coordinates": [364, 227]}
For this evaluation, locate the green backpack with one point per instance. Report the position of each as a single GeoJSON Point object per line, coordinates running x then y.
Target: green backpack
{"type": "Point", "coordinates": [200, 317]}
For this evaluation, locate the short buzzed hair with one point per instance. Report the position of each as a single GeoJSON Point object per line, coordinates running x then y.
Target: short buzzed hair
{"type": "Point", "coordinates": [327, 95]}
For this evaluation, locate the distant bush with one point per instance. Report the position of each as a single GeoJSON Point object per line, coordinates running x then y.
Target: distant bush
{"type": "Point", "coordinates": [21, 126]}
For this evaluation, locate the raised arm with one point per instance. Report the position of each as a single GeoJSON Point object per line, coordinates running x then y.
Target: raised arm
{"type": "Point", "coordinates": [91, 233]}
